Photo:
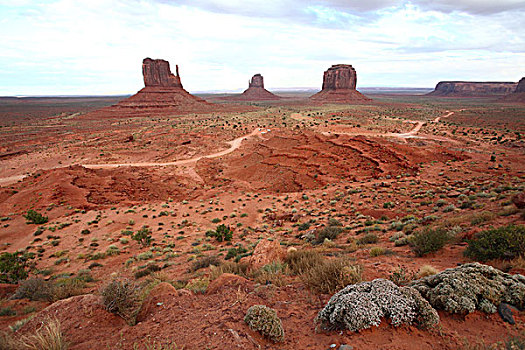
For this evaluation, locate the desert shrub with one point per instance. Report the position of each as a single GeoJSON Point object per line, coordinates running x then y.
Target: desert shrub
{"type": "Point", "coordinates": [429, 240]}
{"type": "Point", "coordinates": [264, 320]}
{"type": "Point", "coordinates": [480, 218]}
{"type": "Point", "coordinates": [198, 285]}
{"type": "Point", "coordinates": [401, 277]}
{"type": "Point", "coordinates": [48, 337]}
{"type": "Point", "coordinates": [377, 251]}
{"type": "Point", "coordinates": [471, 287]}
{"type": "Point", "coordinates": [149, 269]}
{"type": "Point", "coordinates": [121, 297]}
{"type": "Point", "coordinates": [7, 311]}
{"type": "Point", "coordinates": [34, 289]}
{"type": "Point", "coordinates": [368, 239]}
{"type": "Point", "coordinates": [221, 233]}
{"type": "Point", "coordinates": [273, 273]}
{"type": "Point", "coordinates": [334, 222]}
{"type": "Point", "coordinates": [301, 260]}
{"type": "Point", "coordinates": [236, 268]}
{"type": "Point", "coordinates": [402, 241]}
{"type": "Point", "coordinates": [507, 242]}
{"type": "Point", "coordinates": [304, 226]}
{"type": "Point", "coordinates": [143, 236]}
{"type": "Point", "coordinates": [13, 267]}
{"type": "Point", "coordinates": [205, 262]}
{"type": "Point", "coordinates": [362, 306]}
{"type": "Point", "coordinates": [331, 276]}
{"type": "Point", "coordinates": [329, 232]}
{"type": "Point", "coordinates": [67, 287]}
{"type": "Point", "coordinates": [237, 253]}
{"type": "Point", "coordinates": [34, 217]}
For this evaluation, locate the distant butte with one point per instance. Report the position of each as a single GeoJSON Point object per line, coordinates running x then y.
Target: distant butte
{"type": "Point", "coordinates": [255, 91]}
{"type": "Point", "coordinates": [162, 94]}
{"type": "Point", "coordinates": [339, 86]}
{"type": "Point", "coordinates": [472, 89]}
{"type": "Point", "coordinates": [519, 94]}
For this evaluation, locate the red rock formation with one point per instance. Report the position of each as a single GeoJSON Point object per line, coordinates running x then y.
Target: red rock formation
{"type": "Point", "coordinates": [519, 94]}
{"type": "Point", "coordinates": [158, 73]}
{"type": "Point", "coordinates": [163, 94]}
{"type": "Point", "coordinates": [472, 89]}
{"type": "Point", "coordinates": [339, 85]}
{"type": "Point", "coordinates": [255, 91]}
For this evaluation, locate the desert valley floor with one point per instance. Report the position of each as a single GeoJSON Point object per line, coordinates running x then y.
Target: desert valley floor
{"type": "Point", "coordinates": [351, 183]}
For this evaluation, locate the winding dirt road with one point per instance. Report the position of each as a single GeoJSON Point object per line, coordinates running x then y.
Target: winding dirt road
{"type": "Point", "coordinates": [236, 143]}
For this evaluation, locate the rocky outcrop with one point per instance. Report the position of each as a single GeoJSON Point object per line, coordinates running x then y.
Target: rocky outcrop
{"type": "Point", "coordinates": [339, 85]}
{"type": "Point", "coordinates": [162, 94]}
{"type": "Point", "coordinates": [521, 86]}
{"type": "Point", "coordinates": [518, 95]}
{"type": "Point", "coordinates": [472, 89]}
{"type": "Point", "coordinates": [255, 91]}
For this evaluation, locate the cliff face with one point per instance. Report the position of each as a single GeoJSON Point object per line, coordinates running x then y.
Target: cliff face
{"type": "Point", "coordinates": [472, 89]}
{"type": "Point", "coordinates": [339, 86]}
{"type": "Point", "coordinates": [158, 73]}
{"type": "Point", "coordinates": [340, 76]}
{"type": "Point", "coordinates": [521, 86]}
{"type": "Point", "coordinates": [518, 95]}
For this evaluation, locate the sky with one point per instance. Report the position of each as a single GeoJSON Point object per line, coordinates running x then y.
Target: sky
{"type": "Point", "coordinates": [96, 47]}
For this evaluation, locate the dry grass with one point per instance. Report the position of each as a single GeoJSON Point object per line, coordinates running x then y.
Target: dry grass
{"type": "Point", "coordinates": [300, 261]}
{"type": "Point", "coordinates": [331, 276]}
{"type": "Point", "coordinates": [240, 269]}
{"type": "Point", "coordinates": [426, 270]}
{"type": "Point", "coordinates": [121, 297]}
{"type": "Point", "coordinates": [48, 337]}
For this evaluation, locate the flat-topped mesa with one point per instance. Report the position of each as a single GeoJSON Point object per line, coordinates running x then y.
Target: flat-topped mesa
{"type": "Point", "coordinates": [472, 88]}
{"type": "Point", "coordinates": [158, 73]}
{"type": "Point", "coordinates": [339, 85]}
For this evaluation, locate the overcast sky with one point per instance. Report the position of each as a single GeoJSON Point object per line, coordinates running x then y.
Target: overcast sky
{"type": "Point", "coordinates": [97, 46]}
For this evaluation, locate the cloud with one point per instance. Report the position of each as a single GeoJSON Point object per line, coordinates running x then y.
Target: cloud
{"type": "Point", "coordinates": [72, 47]}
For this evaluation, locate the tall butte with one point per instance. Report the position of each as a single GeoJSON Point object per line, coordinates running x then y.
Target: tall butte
{"type": "Point", "coordinates": [162, 94]}
{"type": "Point", "coordinates": [255, 91]}
{"type": "Point", "coordinates": [339, 86]}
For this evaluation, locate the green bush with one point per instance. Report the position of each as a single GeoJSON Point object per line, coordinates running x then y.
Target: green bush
{"type": "Point", "coordinates": [221, 233]}
{"type": "Point", "coordinates": [507, 242]}
{"type": "Point", "coordinates": [264, 320]}
{"type": "Point", "coordinates": [143, 236]}
{"type": "Point", "coordinates": [13, 267]}
{"type": "Point", "coordinates": [34, 217]}
{"type": "Point", "coordinates": [429, 240]}
{"type": "Point", "coordinates": [330, 232]}
{"type": "Point", "coordinates": [368, 239]}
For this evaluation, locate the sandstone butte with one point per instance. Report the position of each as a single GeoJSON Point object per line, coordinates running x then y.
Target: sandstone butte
{"type": "Point", "coordinates": [472, 89]}
{"type": "Point", "coordinates": [339, 86]}
{"type": "Point", "coordinates": [255, 91]}
{"type": "Point", "coordinates": [519, 94]}
{"type": "Point", "coordinates": [163, 94]}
